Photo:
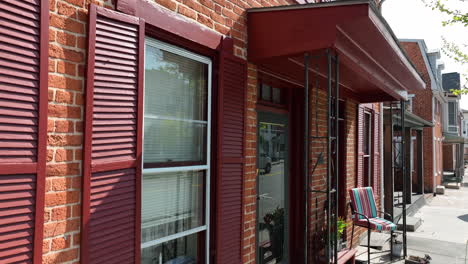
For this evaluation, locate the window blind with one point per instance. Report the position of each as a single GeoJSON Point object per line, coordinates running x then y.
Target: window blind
{"type": "Point", "coordinates": [175, 108]}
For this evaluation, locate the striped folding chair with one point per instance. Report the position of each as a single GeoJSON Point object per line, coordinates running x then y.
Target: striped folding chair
{"type": "Point", "coordinates": [365, 214]}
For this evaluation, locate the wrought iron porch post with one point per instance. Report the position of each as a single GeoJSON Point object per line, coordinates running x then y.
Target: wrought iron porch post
{"type": "Point", "coordinates": [420, 158]}
{"type": "Point", "coordinates": [404, 171]}
{"type": "Point", "coordinates": [388, 161]}
{"type": "Point", "coordinates": [337, 156]}
{"type": "Point", "coordinates": [329, 84]}
{"type": "Point", "coordinates": [306, 154]}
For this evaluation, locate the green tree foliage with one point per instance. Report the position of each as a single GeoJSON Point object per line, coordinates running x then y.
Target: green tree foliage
{"type": "Point", "coordinates": [457, 52]}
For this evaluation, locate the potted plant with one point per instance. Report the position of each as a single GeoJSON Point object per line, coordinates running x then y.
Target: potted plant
{"type": "Point", "coordinates": [274, 223]}
{"type": "Point", "coordinates": [341, 224]}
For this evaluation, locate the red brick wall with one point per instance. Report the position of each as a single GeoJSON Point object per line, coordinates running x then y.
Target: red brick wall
{"type": "Point", "coordinates": [438, 153]}
{"type": "Point", "coordinates": [353, 179]}
{"type": "Point", "coordinates": [68, 40]}
{"type": "Point", "coordinates": [250, 175]}
{"type": "Point", "coordinates": [351, 164]}
{"type": "Point", "coordinates": [67, 53]}
{"type": "Point", "coordinates": [318, 179]}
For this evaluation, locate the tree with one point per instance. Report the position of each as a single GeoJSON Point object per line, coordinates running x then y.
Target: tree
{"type": "Point", "coordinates": [457, 52]}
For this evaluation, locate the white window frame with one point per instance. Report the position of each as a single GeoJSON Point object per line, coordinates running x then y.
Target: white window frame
{"type": "Point", "coordinates": [410, 102]}
{"type": "Point", "coordinates": [206, 167]}
{"type": "Point", "coordinates": [449, 126]}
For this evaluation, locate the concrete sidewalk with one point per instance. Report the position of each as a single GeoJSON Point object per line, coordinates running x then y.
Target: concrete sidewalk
{"type": "Point", "coordinates": [444, 231]}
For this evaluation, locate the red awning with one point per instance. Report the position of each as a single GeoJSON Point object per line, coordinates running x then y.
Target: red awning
{"type": "Point", "coordinates": [371, 59]}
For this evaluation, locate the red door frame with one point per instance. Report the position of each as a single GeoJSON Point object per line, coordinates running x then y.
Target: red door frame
{"type": "Point", "coordinates": [42, 133]}
{"type": "Point", "coordinates": [293, 107]}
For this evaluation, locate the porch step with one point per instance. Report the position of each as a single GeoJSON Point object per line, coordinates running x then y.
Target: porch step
{"type": "Point", "coordinates": [377, 241]}
{"type": "Point", "coordinates": [377, 256]}
{"type": "Point", "coordinates": [412, 223]}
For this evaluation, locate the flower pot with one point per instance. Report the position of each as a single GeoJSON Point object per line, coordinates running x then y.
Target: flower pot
{"type": "Point", "coordinates": [397, 249]}
{"type": "Point", "coordinates": [341, 245]}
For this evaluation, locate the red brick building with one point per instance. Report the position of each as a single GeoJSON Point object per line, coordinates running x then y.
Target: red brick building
{"type": "Point", "coordinates": [453, 160]}
{"type": "Point", "coordinates": [429, 104]}
{"type": "Point", "coordinates": [174, 130]}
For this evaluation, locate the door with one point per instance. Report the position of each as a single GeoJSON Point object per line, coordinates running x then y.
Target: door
{"type": "Point", "coordinates": [272, 188]}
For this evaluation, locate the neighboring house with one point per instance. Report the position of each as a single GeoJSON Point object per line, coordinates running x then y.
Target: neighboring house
{"type": "Point", "coordinates": [156, 131]}
{"type": "Point", "coordinates": [465, 132]}
{"type": "Point", "coordinates": [429, 104]}
{"type": "Point", "coordinates": [453, 129]}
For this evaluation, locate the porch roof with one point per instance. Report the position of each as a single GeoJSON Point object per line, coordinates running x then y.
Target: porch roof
{"type": "Point", "coordinates": [372, 61]}
{"type": "Point", "coordinates": [452, 139]}
{"type": "Point", "coordinates": [412, 120]}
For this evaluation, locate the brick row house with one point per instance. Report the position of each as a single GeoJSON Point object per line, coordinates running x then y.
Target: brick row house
{"type": "Point", "coordinates": [428, 105]}
{"type": "Point", "coordinates": [442, 148]}
{"type": "Point", "coordinates": [464, 130]}
{"type": "Point", "coordinates": [453, 143]}
{"type": "Point", "coordinates": [189, 131]}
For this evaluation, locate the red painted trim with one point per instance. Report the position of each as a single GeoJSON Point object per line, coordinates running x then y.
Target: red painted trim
{"type": "Point", "coordinates": [42, 133]}
{"type": "Point", "coordinates": [19, 168]}
{"type": "Point", "coordinates": [118, 165]}
{"type": "Point", "coordinates": [170, 21]}
{"type": "Point", "coordinates": [226, 160]}
{"type": "Point", "coordinates": [244, 150]}
{"type": "Point", "coordinates": [149, 165]}
{"type": "Point", "coordinates": [219, 155]}
{"type": "Point", "coordinates": [353, 29]}
{"type": "Point", "coordinates": [139, 139]}
{"type": "Point", "coordinates": [88, 132]}
{"type": "Point", "coordinates": [90, 167]}
{"type": "Point", "coordinates": [343, 160]}
{"type": "Point", "coordinates": [273, 109]}
{"type": "Point", "coordinates": [117, 16]}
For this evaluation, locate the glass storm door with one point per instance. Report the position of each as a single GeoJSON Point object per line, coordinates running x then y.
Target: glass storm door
{"type": "Point", "coordinates": [272, 184]}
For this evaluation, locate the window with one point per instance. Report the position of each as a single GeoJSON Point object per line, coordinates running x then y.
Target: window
{"type": "Point", "coordinates": [367, 149]}
{"type": "Point", "coordinates": [409, 104]}
{"type": "Point", "coordinates": [270, 94]}
{"type": "Point", "coordinates": [452, 117]}
{"type": "Point", "coordinates": [176, 143]}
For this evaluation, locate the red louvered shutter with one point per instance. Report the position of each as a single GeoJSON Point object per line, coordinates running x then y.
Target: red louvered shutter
{"type": "Point", "coordinates": [230, 164]}
{"type": "Point", "coordinates": [360, 145]}
{"type": "Point", "coordinates": [113, 135]}
{"type": "Point", "coordinates": [376, 148]}
{"type": "Point", "coordinates": [23, 128]}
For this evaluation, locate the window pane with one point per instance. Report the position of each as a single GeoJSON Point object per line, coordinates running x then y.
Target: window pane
{"type": "Point", "coordinates": [367, 134]}
{"type": "Point", "coordinates": [451, 113]}
{"type": "Point", "coordinates": [174, 141]}
{"type": "Point", "coordinates": [178, 251]}
{"type": "Point", "coordinates": [266, 92]}
{"type": "Point", "coordinates": [171, 203]}
{"type": "Point", "coordinates": [175, 97]}
{"type": "Point", "coordinates": [277, 96]}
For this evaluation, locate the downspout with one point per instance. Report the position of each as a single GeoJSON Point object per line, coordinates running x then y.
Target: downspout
{"type": "Point", "coordinates": [306, 154]}
{"type": "Point", "coordinates": [382, 202]}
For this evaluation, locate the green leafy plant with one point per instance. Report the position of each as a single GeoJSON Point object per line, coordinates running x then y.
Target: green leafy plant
{"type": "Point", "coordinates": [456, 52]}
{"type": "Point", "coordinates": [341, 226]}
{"type": "Point", "coordinates": [274, 221]}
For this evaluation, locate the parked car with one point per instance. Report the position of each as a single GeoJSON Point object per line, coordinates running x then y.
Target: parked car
{"type": "Point", "coordinates": [265, 163]}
